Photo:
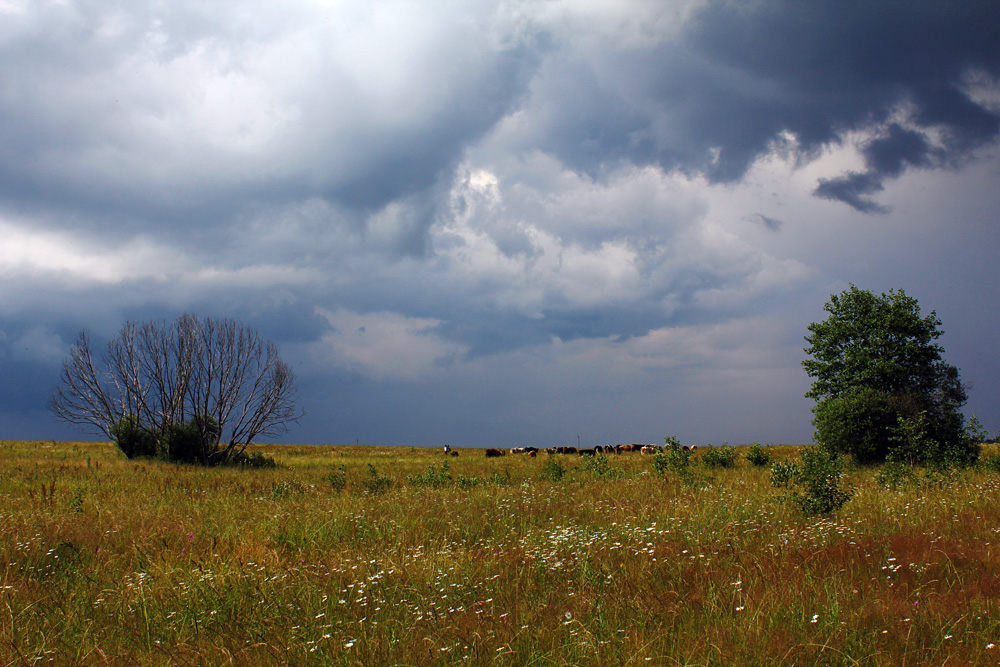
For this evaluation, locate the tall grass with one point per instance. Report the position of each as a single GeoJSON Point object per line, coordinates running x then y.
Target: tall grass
{"type": "Point", "coordinates": [483, 562]}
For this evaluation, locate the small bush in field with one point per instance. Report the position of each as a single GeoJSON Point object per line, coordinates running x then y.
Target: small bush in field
{"type": "Point", "coordinates": [677, 461]}
{"type": "Point", "coordinates": [431, 477]}
{"type": "Point", "coordinates": [992, 462]}
{"type": "Point", "coordinates": [552, 471]}
{"type": "Point", "coordinates": [720, 457]}
{"type": "Point", "coordinates": [815, 482]}
{"type": "Point", "coordinates": [466, 482]}
{"type": "Point", "coordinates": [895, 474]}
{"type": "Point", "coordinates": [784, 474]}
{"type": "Point", "coordinates": [673, 459]}
{"type": "Point", "coordinates": [600, 467]}
{"type": "Point", "coordinates": [375, 484]}
{"type": "Point", "coordinates": [758, 456]}
{"type": "Point", "coordinates": [337, 478]}
{"type": "Point", "coordinates": [253, 460]}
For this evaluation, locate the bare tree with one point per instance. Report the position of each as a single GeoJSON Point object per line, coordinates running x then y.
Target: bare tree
{"type": "Point", "coordinates": [218, 375]}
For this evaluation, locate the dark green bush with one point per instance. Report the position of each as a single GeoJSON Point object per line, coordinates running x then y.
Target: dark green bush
{"type": "Point", "coordinates": [758, 456]}
{"type": "Point", "coordinates": [337, 478]}
{"type": "Point", "coordinates": [375, 484]}
{"type": "Point", "coordinates": [815, 482]}
{"type": "Point", "coordinates": [133, 439]}
{"type": "Point", "coordinates": [431, 477]}
{"type": "Point", "coordinates": [600, 467]}
{"type": "Point", "coordinates": [552, 470]}
{"type": "Point", "coordinates": [253, 460]}
{"type": "Point", "coordinates": [859, 423]}
{"type": "Point", "coordinates": [720, 457]}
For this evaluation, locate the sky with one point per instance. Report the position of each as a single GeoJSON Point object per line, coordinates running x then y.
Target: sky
{"type": "Point", "coordinates": [500, 223]}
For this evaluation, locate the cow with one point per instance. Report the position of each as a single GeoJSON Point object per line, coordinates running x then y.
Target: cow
{"type": "Point", "coordinates": [569, 450]}
{"type": "Point", "coordinates": [517, 450]}
{"type": "Point", "coordinates": [599, 449]}
{"type": "Point", "coordinates": [588, 452]}
{"type": "Point", "coordinates": [532, 453]}
{"type": "Point", "coordinates": [452, 453]}
{"type": "Point", "coordinates": [648, 450]}
{"type": "Point", "coordinates": [494, 453]}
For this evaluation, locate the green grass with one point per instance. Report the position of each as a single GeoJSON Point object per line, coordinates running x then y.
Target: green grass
{"type": "Point", "coordinates": [485, 562]}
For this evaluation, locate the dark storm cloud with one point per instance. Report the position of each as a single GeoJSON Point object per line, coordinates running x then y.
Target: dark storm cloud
{"type": "Point", "coordinates": [742, 76]}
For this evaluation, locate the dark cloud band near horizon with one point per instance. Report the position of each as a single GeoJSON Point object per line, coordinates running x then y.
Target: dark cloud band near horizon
{"type": "Point", "coordinates": [485, 220]}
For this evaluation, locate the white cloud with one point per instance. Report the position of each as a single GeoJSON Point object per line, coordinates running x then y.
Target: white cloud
{"type": "Point", "coordinates": [382, 345]}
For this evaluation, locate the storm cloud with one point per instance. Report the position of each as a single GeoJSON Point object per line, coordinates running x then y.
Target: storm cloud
{"type": "Point", "coordinates": [491, 220]}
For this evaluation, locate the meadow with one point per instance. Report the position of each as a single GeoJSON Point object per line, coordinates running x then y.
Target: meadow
{"type": "Point", "coordinates": [381, 556]}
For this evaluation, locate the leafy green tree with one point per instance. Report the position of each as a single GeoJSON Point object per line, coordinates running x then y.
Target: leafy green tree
{"type": "Point", "coordinates": [878, 369]}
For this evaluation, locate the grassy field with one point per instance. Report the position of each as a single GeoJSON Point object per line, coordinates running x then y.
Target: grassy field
{"type": "Point", "coordinates": [104, 561]}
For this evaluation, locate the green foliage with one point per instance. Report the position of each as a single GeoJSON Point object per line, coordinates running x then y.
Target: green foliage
{"type": "Point", "coordinates": [758, 456]}
{"type": "Point", "coordinates": [784, 474]}
{"type": "Point", "coordinates": [677, 461]}
{"type": "Point", "coordinates": [431, 477]}
{"type": "Point", "coordinates": [874, 362]}
{"type": "Point", "coordinates": [375, 484]}
{"type": "Point", "coordinates": [599, 467]}
{"type": "Point", "coordinates": [815, 483]}
{"type": "Point", "coordinates": [859, 423]}
{"type": "Point", "coordinates": [253, 460]}
{"type": "Point", "coordinates": [552, 470]}
{"type": "Point", "coordinates": [720, 457]}
{"type": "Point", "coordinates": [133, 439]}
{"type": "Point", "coordinates": [894, 475]}
{"type": "Point", "coordinates": [337, 478]}
{"type": "Point", "coordinates": [194, 441]}
{"type": "Point", "coordinates": [992, 462]}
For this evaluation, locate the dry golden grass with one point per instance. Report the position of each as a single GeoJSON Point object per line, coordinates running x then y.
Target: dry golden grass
{"type": "Point", "coordinates": [112, 562]}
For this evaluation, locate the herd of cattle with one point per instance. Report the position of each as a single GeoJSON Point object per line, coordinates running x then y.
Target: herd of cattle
{"type": "Point", "coordinates": [609, 449]}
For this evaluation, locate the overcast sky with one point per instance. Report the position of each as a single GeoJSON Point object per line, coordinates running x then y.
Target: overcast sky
{"type": "Point", "coordinates": [497, 223]}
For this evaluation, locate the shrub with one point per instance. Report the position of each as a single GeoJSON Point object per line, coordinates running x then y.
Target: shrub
{"type": "Point", "coordinates": [894, 474]}
{"type": "Point", "coordinates": [133, 439]}
{"type": "Point", "coordinates": [673, 459]}
{"type": "Point", "coordinates": [815, 482]}
{"type": "Point", "coordinates": [992, 462]}
{"type": "Point", "coordinates": [466, 482]}
{"type": "Point", "coordinates": [253, 460]}
{"type": "Point", "coordinates": [677, 461]}
{"type": "Point", "coordinates": [720, 457]}
{"type": "Point", "coordinates": [337, 478]}
{"type": "Point", "coordinates": [193, 441]}
{"type": "Point", "coordinates": [431, 477]}
{"type": "Point", "coordinates": [859, 423]}
{"type": "Point", "coordinates": [552, 471]}
{"type": "Point", "coordinates": [375, 484]}
{"type": "Point", "coordinates": [784, 474]}
{"type": "Point", "coordinates": [758, 456]}
{"type": "Point", "coordinates": [600, 467]}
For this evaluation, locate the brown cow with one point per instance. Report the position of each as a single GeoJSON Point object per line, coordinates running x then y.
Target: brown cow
{"type": "Point", "coordinates": [588, 452]}
{"type": "Point", "coordinates": [494, 453]}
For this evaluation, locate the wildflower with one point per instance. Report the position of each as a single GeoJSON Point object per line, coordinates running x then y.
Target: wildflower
{"type": "Point", "coordinates": [815, 618]}
{"type": "Point", "coordinates": [991, 645]}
